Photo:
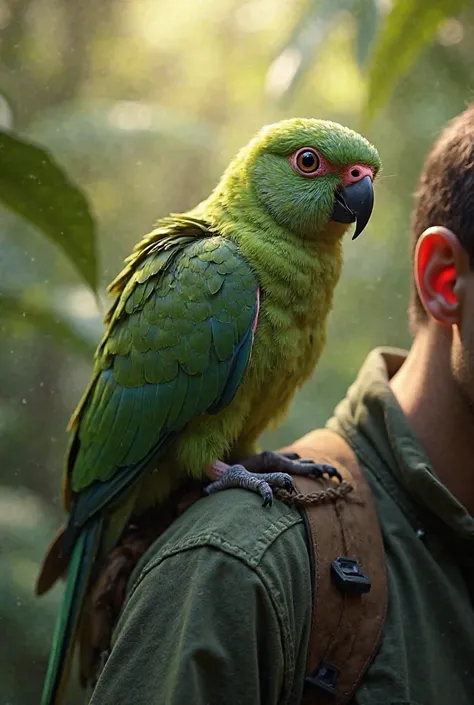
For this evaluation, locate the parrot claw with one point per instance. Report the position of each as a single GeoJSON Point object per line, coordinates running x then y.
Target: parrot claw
{"type": "Point", "coordinates": [290, 463]}
{"type": "Point", "coordinates": [316, 470]}
{"type": "Point", "coordinates": [261, 483]}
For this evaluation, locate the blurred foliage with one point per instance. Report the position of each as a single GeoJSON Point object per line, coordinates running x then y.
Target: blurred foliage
{"type": "Point", "coordinates": [52, 324]}
{"type": "Point", "coordinates": [301, 50]}
{"type": "Point", "coordinates": [26, 526]}
{"type": "Point", "coordinates": [404, 27]}
{"type": "Point", "coordinates": [408, 28]}
{"type": "Point", "coordinates": [143, 106]}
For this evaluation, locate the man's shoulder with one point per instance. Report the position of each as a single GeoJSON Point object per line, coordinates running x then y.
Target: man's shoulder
{"type": "Point", "coordinates": [234, 523]}
{"type": "Point", "coordinates": [225, 593]}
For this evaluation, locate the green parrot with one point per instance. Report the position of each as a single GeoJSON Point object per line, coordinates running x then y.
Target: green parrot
{"type": "Point", "coordinates": [219, 317]}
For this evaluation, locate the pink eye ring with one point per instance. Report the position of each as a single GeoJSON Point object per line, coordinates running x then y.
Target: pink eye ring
{"type": "Point", "coordinates": [306, 161]}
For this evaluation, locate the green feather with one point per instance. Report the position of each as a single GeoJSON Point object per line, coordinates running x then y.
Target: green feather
{"type": "Point", "coordinates": [128, 439]}
{"type": "Point", "coordinates": [210, 385]}
{"type": "Point", "coordinates": [180, 389]}
{"type": "Point", "coordinates": [79, 571]}
{"type": "Point", "coordinates": [148, 433]}
{"type": "Point", "coordinates": [101, 394]}
{"type": "Point", "coordinates": [214, 281]}
{"type": "Point", "coordinates": [191, 405]}
{"type": "Point", "coordinates": [223, 338]}
{"type": "Point", "coordinates": [164, 394]}
{"type": "Point", "coordinates": [109, 413]}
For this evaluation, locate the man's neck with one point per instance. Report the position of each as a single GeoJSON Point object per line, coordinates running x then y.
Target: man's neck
{"type": "Point", "coordinates": [437, 412]}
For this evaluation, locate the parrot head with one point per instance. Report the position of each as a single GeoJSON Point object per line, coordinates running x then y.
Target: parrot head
{"type": "Point", "coordinates": [309, 172]}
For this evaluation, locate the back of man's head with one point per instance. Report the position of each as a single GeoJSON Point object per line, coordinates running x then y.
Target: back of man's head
{"type": "Point", "coordinates": [445, 195]}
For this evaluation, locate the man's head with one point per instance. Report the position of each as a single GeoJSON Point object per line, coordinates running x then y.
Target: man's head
{"type": "Point", "coordinates": [442, 299]}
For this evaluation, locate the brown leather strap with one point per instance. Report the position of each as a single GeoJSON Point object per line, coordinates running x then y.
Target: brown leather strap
{"type": "Point", "coordinates": [346, 628]}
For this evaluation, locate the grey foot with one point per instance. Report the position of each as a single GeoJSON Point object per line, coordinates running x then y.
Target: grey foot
{"type": "Point", "coordinates": [261, 483]}
{"type": "Point", "coordinates": [289, 463]}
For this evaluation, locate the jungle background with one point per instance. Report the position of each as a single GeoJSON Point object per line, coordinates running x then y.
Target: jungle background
{"type": "Point", "coordinates": [116, 112]}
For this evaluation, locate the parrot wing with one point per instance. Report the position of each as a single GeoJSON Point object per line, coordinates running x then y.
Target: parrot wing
{"type": "Point", "coordinates": [177, 346]}
{"type": "Point", "coordinates": [178, 342]}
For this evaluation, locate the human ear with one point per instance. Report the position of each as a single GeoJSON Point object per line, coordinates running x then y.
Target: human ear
{"type": "Point", "coordinates": [441, 266]}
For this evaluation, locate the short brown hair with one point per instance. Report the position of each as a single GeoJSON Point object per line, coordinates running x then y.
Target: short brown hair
{"type": "Point", "coordinates": [445, 193]}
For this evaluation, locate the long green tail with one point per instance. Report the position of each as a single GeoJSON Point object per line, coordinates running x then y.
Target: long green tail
{"type": "Point", "coordinates": [62, 649]}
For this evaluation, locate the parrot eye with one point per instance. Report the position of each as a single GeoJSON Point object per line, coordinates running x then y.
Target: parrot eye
{"type": "Point", "coordinates": [306, 161]}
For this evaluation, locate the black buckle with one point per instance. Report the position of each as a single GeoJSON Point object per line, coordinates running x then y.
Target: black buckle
{"type": "Point", "coordinates": [324, 678]}
{"type": "Point", "coordinates": [348, 576]}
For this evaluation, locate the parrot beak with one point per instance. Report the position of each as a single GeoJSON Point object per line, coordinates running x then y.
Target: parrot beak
{"type": "Point", "coordinates": [354, 203]}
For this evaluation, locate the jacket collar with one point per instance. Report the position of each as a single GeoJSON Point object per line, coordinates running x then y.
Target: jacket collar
{"type": "Point", "coordinates": [371, 417]}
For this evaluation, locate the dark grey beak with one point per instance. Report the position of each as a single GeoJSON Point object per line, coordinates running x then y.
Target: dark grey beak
{"type": "Point", "coordinates": [354, 203]}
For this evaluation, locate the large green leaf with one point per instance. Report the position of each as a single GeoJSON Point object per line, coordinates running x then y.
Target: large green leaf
{"type": "Point", "coordinates": [408, 28]}
{"type": "Point", "coordinates": [38, 190]}
{"type": "Point", "coordinates": [50, 322]}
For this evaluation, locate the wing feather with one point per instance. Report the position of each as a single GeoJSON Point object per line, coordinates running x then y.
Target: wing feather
{"type": "Point", "coordinates": [178, 343]}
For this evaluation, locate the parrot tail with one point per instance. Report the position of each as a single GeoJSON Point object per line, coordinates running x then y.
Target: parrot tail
{"type": "Point", "coordinates": [78, 579]}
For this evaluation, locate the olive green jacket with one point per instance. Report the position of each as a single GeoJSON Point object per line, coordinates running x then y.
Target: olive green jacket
{"type": "Point", "coordinates": [218, 610]}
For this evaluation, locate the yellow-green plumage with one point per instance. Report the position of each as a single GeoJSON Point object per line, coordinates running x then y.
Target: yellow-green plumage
{"type": "Point", "coordinates": [220, 316]}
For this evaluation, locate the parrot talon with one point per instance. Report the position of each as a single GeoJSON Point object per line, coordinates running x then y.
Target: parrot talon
{"type": "Point", "coordinates": [307, 466]}
{"type": "Point", "coordinates": [321, 469]}
{"type": "Point", "coordinates": [239, 477]}
{"type": "Point", "coordinates": [290, 463]}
